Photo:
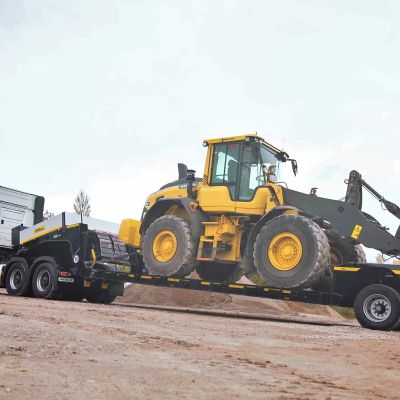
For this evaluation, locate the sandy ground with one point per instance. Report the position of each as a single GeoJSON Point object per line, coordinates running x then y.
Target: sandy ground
{"type": "Point", "coordinates": [63, 350]}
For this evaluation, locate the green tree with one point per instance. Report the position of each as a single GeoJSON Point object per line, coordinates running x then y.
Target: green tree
{"type": "Point", "coordinates": [379, 259]}
{"type": "Point", "coordinates": [82, 204]}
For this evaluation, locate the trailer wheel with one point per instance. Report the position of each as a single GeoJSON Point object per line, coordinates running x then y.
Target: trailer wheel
{"type": "Point", "coordinates": [168, 248]}
{"type": "Point", "coordinates": [44, 281]}
{"type": "Point", "coordinates": [73, 292]}
{"type": "Point", "coordinates": [17, 279]}
{"type": "Point", "coordinates": [95, 294]}
{"type": "Point", "coordinates": [378, 307]}
{"type": "Point", "coordinates": [291, 251]}
{"type": "Point", "coordinates": [219, 272]}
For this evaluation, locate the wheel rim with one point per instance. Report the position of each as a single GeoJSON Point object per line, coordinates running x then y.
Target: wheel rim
{"type": "Point", "coordinates": [377, 308]}
{"type": "Point", "coordinates": [164, 246]}
{"type": "Point", "coordinates": [16, 279]}
{"type": "Point", "coordinates": [43, 280]}
{"type": "Point", "coordinates": [285, 251]}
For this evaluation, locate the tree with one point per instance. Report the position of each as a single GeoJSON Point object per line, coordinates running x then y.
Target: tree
{"type": "Point", "coordinates": [379, 259]}
{"type": "Point", "coordinates": [81, 204]}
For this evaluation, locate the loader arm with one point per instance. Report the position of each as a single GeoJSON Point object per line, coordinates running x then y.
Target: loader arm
{"type": "Point", "coordinates": [356, 183]}
{"type": "Point", "coordinates": [346, 218]}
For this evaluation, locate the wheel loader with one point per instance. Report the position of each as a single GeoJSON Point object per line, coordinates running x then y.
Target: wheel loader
{"type": "Point", "coordinates": [239, 218]}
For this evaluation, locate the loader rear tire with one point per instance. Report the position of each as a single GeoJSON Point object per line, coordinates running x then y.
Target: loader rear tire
{"type": "Point", "coordinates": [219, 272]}
{"type": "Point", "coordinates": [291, 251]}
{"type": "Point", "coordinates": [168, 248]}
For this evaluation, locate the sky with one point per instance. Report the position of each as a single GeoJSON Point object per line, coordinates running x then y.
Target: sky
{"type": "Point", "coordinates": [108, 96]}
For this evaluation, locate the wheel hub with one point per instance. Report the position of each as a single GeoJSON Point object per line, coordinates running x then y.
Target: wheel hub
{"type": "Point", "coordinates": [43, 280]}
{"type": "Point", "coordinates": [15, 279]}
{"type": "Point", "coordinates": [164, 246]}
{"type": "Point", "coordinates": [377, 308]}
{"type": "Point", "coordinates": [285, 251]}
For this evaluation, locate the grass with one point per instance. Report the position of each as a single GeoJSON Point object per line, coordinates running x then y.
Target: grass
{"type": "Point", "coordinates": [345, 312]}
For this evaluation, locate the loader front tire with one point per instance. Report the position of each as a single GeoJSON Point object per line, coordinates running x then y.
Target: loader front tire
{"type": "Point", "coordinates": [342, 251]}
{"type": "Point", "coordinates": [168, 248]}
{"type": "Point", "coordinates": [291, 251]}
{"type": "Point", "coordinates": [219, 272]}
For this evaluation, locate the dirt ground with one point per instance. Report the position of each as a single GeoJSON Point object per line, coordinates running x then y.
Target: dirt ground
{"type": "Point", "coordinates": [53, 349]}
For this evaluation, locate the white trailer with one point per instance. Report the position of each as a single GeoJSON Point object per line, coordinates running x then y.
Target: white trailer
{"type": "Point", "coordinates": [17, 208]}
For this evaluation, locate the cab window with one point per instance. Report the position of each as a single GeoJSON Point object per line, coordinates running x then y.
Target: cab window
{"type": "Point", "coordinates": [257, 166]}
{"type": "Point", "coordinates": [225, 166]}
{"type": "Point", "coordinates": [251, 174]}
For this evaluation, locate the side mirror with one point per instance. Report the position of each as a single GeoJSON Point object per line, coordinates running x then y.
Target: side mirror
{"type": "Point", "coordinates": [294, 166]}
{"type": "Point", "coordinates": [282, 156]}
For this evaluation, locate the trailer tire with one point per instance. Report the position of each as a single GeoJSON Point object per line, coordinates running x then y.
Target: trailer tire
{"type": "Point", "coordinates": [95, 294]}
{"type": "Point", "coordinates": [73, 292]}
{"type": "Point", "coordinates": [45, 281]}
{"type": "Point", "coordinates": [291, 251]}
{"type": "Point", "coordinates": [378, 307]}
{"type": "Point", "coordinates": [219, 272]}
{"type": "Point", "coordinates": [168, 247]}
{"type": "Point", "coordinates": [17, 279]}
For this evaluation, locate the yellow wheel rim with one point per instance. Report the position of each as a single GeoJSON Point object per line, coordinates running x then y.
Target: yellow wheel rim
{"type": "Point", "coordinates": [164, 246]}
{"type": "Point", "coordinates": [285, 251]}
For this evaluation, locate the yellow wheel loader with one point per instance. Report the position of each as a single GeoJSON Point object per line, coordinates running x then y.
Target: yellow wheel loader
{"type": "Point", "coordinates": [239, 218]}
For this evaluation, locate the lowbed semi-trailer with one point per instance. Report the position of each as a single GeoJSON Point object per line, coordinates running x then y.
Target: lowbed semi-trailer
{"type": "Point", "coordinates": [67, 258]}
{"type": "Point", "coordinates": [58, 257]}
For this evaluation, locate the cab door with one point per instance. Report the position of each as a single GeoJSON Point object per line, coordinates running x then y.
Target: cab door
{"type": "Point", "coordinates": [252, 192]}
{"type": "Point", "coordinates": [219, 195]}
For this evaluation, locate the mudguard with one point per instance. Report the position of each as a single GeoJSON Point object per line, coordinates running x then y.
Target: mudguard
{"type": "Point", "coordinates": [196, 216]}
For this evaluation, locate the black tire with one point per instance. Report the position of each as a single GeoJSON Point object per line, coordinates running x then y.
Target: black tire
{"type": "Point", "coordinates": [314, 257]}
{"type": "Point", "coordinates": [378, 307]}
{"type": "Point", "coordinates": [219, 272]}
{"type": "Point", "coordinates": [95, 294]}
{"type": "Point", "coordinates": [361, 256]}
{"type": "Point", "coordinates": [45, 281]}
{"type": "Point", "coordinates": [72, 292]}
{"type": "Point", "coordinates": [17, 279]}
{"type": "Point", "coordinates": [342, 251]}
{"type": "Point", "coordinates": [183, 260]}
{"type": "Point", "coordinates": [248, 265]}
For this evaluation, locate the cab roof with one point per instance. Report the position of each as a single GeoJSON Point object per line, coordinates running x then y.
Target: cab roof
{"type": "Point", "coordinates": [240, 138]}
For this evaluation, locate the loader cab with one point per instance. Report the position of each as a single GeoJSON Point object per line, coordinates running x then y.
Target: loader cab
{"type": "Point", "coordinates": [236, 169]}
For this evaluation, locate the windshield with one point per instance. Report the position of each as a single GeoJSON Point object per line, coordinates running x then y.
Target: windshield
{"type": "Point", "coordinates": [270, 164]}
{"type": "Point", "coordinates": [243, 167]}
{"type": "Point", "coordinates": [258, 166]}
